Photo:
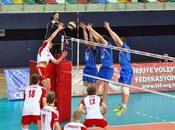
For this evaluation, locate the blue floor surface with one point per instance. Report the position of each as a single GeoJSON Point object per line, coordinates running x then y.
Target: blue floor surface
{"type": "Point", "coordinates": [142, 108]}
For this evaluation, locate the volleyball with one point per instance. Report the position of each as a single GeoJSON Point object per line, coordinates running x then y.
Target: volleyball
{"type": "Point", "coordinates": [71, 25]}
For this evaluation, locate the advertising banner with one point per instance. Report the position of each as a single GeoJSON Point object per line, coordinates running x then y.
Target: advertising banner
{"type": "Point", "coordinates": [153, 76]}
{"type": "Point", "coordinates": [17, 80]}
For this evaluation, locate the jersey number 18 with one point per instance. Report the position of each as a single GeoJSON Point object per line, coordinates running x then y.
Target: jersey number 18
{"type": "Point", "coordinates": [31, 93]}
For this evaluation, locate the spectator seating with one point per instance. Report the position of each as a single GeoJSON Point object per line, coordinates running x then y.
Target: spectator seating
{"type": "Point", "coordinates": [71, 1]}
{"type": "Point", "coordinates": [17, 1]}
{"type": "Point", "coordinates": [60, 1]}
{"type": "Point", "coordinates": [40, 1]}
{"type": "Point", "coordinates": [51, 1]}
{"type": "Point", "coordinates": [102, 1]}
{"type": "Point", "coordinates": [83, 1]}
{"type": "Point", "coordinates": [29, 1]}
{"type": "Point", "coordinates": [7, 2]}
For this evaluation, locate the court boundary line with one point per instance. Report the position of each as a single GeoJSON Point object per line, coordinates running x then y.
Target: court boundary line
{"type": "Point", "coordinates": [154, 117]}
{"type": "Point", "coordinates": [153, 123]}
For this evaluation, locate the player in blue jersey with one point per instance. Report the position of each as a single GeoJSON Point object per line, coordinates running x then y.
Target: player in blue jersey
{"type": "Point", "coordinates": [90, 59]}
{"type": "Point", "coordinates": [126, 72]}
{"type": "Point", "coordinates": [106, 58]}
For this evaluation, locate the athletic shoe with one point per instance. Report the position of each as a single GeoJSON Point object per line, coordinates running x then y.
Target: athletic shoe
{"type": "Point", "coordinates": [120, 110]}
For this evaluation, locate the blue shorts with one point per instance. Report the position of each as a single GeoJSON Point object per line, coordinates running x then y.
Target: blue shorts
{"type": "Point", "coordinates": [90, 71]}
{"type": "Point", "coordinates": [126, 77]}
{"type": "Point", "coordinates": [106, 72]}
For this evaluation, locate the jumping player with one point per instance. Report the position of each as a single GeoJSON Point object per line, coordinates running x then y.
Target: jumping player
{"type": "Point", "coordinates": [35, 97]}
{"type": "Point", "coordinates": [49, 114]}
{"type": "Point", "coordinates": [106, 70]}
{"type": "Point", "coordinates": [44, 56]}
{"type": "Point", "coordinates": [90, 60]}
{"type": "Point", "coordinates": [75, 124]}
{"type": "Point", "coordinates": [126, 72]}
{"type": "Point", "coordinates": [91, 106]}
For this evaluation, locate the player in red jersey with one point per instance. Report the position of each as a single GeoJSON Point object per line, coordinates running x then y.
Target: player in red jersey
{"type": "Point", "coordinates": [49, 114]}
{"type": "Point", "coordinates": [35, 97]}
{"type": "Point", "coordinates": [75, 124]}
{"type": "Point", "coordinates": [44, 56]}
{"type": "Point", "coordinates": [91, 105]}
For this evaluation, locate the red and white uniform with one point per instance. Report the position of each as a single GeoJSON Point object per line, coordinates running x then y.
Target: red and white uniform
{"type": "Point", "coordinates": [32, 104]}
{"type": "Point", "coordinates": [49, 115]}
{"type": "Point", "coordinates": [44, 55]}
{"type": "Point", "coordinates": [74, 126]}
{"type": "Point", "coordinates": [92, 104]}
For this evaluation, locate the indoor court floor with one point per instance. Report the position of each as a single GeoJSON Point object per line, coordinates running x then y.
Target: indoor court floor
{"type": "Point", "coordinates": [145, 112]}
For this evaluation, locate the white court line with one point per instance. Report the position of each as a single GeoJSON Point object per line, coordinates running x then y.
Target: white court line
{"type": "Point", "coordinates": [153, 123]}
{"type": "Point", "coordinates": [156, 118]}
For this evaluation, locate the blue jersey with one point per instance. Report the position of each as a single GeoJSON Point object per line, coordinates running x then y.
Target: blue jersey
{"type": "Point", "coordinates": [106, 57]}
{"type": "Point", "coordinates": [125, 58]}
{"type": "Point", "coordinates": [90, 57]}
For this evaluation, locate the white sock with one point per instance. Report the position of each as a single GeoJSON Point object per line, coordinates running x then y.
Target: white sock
{"type": "Point", "coordinates": [25, 129]}
{"type": "Point", "coordinates": [124, 105]}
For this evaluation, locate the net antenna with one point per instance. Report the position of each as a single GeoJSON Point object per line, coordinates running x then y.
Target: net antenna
{"type": "Point", "coordinates": [78, 42]}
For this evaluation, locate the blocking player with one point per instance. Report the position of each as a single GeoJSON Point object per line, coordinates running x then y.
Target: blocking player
{"type": "Point", "coordinates": [44, 56]}
{"type": "Point", "coordinates": [49, 114]}
{"type": "Point", "coordinates": [126, 72]}
{"type": "Point", "coordinates": [75, 124]}
{"type": "Point", "coordinates": [106, 58]}
{"type": "Point", "coordinates": [91, 106]}
{"type": "Point", "coordinates": [90, 59]}
{"type": "Point", "coordinates": [35, 98]}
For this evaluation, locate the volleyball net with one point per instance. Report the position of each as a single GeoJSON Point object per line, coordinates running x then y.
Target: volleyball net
{"type": "Point", "coordinates": [152, 77]}
{"type": "Point", "coordinates": [153, 84]}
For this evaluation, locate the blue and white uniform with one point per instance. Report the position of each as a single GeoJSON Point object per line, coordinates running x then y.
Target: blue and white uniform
{"type": "Point", "coordinates": [90, 65]}
{"type": "Point", "coordinates": [106, 70]}
{"type": "Point", "coordinates": [126, 72]}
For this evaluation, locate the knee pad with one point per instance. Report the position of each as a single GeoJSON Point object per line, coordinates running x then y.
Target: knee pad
{"type": "Point", "coordinates": [125, 90]}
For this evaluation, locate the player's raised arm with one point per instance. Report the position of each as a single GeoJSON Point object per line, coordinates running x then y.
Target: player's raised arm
{"type": "Point", "coordinates": [91, 36]}
{"type": "Point", "coordinates": [114, 36]}
{"type": "Point", "coordinates": [85, 34]}
{"type": "Point", "coordinates": [98, 37]}
{"type": "Point", "coordinates": [60, 27]}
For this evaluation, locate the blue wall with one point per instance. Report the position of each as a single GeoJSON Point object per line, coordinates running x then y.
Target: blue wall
{"type": "Point", "coordinates": [18, 47]}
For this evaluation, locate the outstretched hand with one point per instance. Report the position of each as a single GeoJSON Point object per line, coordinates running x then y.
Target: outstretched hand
{"type": "Point", "coordinates": [60, 26]}
{"type": "Point", "coordinates": [64, 54]}
{"type": "Point", "coordinates": [82, 25]}
{"type": "Point", "coordinates": [89, 27]}
{"type": "Point", "coordinates": [106, 25]}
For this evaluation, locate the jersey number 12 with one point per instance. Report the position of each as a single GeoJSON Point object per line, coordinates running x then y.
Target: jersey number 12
{"type": "Point", "coordinates": [92, 101]}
